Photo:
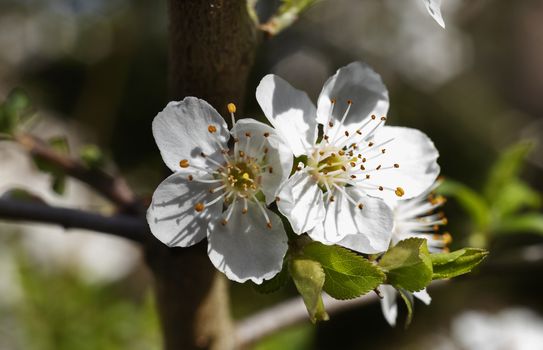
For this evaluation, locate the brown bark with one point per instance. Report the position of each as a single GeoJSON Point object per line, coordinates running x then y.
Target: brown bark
{"type": "Point", "coordinates": [212, 47]}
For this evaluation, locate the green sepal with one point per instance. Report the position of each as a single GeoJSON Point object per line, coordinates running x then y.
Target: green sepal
{"type": "Point", "coordinates": [408, 265]}
{"type": "Point", "coordinates": [308, 277]}
{"type": "Point", "coordinates": [409, 303]}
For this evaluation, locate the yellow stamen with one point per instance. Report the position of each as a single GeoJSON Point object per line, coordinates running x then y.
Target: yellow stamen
{"type": "Point", "coordinates": [199, 206]}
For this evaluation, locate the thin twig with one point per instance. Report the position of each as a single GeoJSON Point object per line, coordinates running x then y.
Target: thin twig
{"type": "Point", "coordinates": [288, 313]}
{"type": "Point", "coordinates": [113, 188]}
{"type": "Point", "coordinates": [132, 228]}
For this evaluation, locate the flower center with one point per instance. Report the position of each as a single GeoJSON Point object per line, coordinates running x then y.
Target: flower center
{"type": "Point", "coordinates": [330, 165]}
{"type": "Point", "coordinates": [238, 177]}
{"type": "Point", "coordinates": [346, 157]}
{"type": "Point", "coordinates": [242, 178]}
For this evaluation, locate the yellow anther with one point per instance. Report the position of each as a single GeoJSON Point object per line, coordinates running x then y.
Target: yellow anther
{"type": "Point", "coordinates": [399, 191]}
{"type": "Point", "coordinates": [199, 206]}
{"type": "Point", "coordinates": [184, 163]}
{"type": "Point", "coordinates": [246, 176]}
{"type": "Point", "coordinates": [446, 238]}
{"type": "Point", "coordinates": [437, 200]}
{"type": "Point", "coordinates": [211, 128]}
{"type": "Point", "coordinates": [231, 108]}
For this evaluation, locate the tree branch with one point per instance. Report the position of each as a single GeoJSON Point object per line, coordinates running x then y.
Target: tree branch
{"type": "Point", "coordinates": [113, 188]}
{"type": "Point", "coordinates": [132, 228]}
{"type": "Point", "coordinates": [288, 313]}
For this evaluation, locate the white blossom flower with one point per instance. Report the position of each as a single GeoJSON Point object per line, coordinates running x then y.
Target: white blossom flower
{"type": "Point", "coordinates": [337, 196]}
{"type": "Point", "coordinates": [389, 305]}
{"type": "Point", "coordinates": [434, 9]}
{"type": "Point", "coordinates": [217, 192]}
{"type": "Point", "coordinates": [415, 217]}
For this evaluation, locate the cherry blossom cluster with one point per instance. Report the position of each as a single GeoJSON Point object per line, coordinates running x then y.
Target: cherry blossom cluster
{"type": "Point", "coordinates": [335, 171]}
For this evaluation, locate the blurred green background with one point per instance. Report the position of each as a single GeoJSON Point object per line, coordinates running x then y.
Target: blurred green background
{"type": "Point", "coordinates": [96, 72]}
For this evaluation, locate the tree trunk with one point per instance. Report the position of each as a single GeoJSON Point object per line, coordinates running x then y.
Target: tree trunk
{"type": "Point", "coordinates": [212, 48]}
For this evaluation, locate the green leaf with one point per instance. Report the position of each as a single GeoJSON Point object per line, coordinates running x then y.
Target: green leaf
{"type": "Point", "coordinates": [408, 300]}
{"type": "Point", "coordinates": [58, 183]}
{"type": "Point", "coordinates": [514, 196]}
{"type": "Point", "coordinates": [459, 262]}
{"type": "Point", "coordinates": [16, 103]}
{"type": "Point", "coordinates": [92, 156]}
{"type": "Point", "coordinates": [22, 194]}
{"type": "Point", "coordinates": [59, 144]}
{"type": "Point", "coordinates": [470, 200]}
{"type": "Point", "coordinates": [506, 169]}
{"type": "Point", "coordinates": [308, 278]}
{"type": "Point", "coordinates": [58, 179]}
{"type": "Point", "coordinates": [348, 275]}
{"type": "Point", "coordinates": [527, 223]}
{"type": "Point", "coordinates": [408, 265]}
{"type": "Point", "coordinates": [274, 284]}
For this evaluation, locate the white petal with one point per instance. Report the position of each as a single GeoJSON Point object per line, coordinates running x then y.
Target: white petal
{"type": "Point", "coordinates": [367, 230]}
{"type": "Point", "coordinates": [171, 215]}
{"type": "Point", "coordinates": [415, 155]}
{"type": "Point", "coordinates": [245, 248]}
{"type": "Point", "coordinates": [434, 8]}
{"type": "Point", "coordinates": [290, 112]}
{"type": "Point", "coordinates": [423, 296]}
{"type": "Point", "coordinates": [300, 200]}
{"type": "Point", "coordinates": [360, 84]}
{"type": "Point", "coordinates": [181, 132]}
{"type": "Point", "coordinates": [278, 159]}
{"type": "Point", "coordinates": [388, 303]}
